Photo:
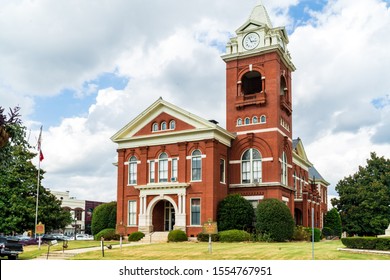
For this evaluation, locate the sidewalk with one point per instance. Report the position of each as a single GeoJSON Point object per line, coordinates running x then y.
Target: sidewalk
{"type": "Point", "coordinates": [67, 254]}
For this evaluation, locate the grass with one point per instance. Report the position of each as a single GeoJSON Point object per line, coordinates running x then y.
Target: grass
{"type": "Point", "coordinates": [32, 251]}
{"type": "Point", "coordinates": [326, 250]}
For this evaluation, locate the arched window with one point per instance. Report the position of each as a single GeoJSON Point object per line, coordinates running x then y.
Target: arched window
{"type": "Point", "coordinates": [133, 171]}
{"type": "Point", "coordinates": [263, 119]}
{"type": "Point", "coordinates": [251, 167]}
{"type": "Point", "coordinates": [163, 126]}
{"type": "Point", "coordinates": [172, 124]}
{"type": "Point", "coordinates": [255, 119]}
{"type": "Point", "coordinates": [196, 166]}
{"type": "Point", "coordinates": [163, 168]}
{"type": "Point", "coordinates": [155, 127]}
{"type": "Point", "coordinates": [251, 82]}
{"type": "Point", "coordinates": [239, 121]}
{"type": "Point", "coordinates": [247, 121]}
{"type": "Point", "coordinates": [283, 86]}
{"type": "Point", "coordinates": [284, 170]}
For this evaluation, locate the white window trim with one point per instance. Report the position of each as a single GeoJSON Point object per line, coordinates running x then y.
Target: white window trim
{"type": "Point", "coordinates": [128, 213]}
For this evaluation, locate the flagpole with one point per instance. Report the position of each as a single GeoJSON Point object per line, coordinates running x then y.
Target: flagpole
{"type": "Point", "coordinates": [38, 181]}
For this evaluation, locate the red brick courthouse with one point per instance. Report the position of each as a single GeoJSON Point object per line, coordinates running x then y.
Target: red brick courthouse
{"type": "Point", "coordinates": [175, 167]}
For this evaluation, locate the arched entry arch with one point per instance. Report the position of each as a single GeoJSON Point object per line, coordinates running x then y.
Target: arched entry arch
{"type": "Point", "coordinates": [162, 211]}
{"type": "Point", "coordinates": [153, 203]}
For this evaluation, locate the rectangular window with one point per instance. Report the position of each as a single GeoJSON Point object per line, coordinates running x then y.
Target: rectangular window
{"type": "Point", "coordinates": [196, 168]}
{"type": "Point", "coordinates": [163, 170]}
{"type": "Point", "coordinates": [257, 171]}
{"type": "Point", "coordinates": [195, 211]}
{"type": "Point", "coordinates": [151, 171]}
{"type": "Point", "coordinates": [132, 173]}
{"type": "Point", "coordinates": [132, 213]}
{"type": "Point", "coordinates": [246, 172]}
{"type": "Point", "coordinates": [174, 170]}
{"type": "Point", "coordinates": [222, 170]}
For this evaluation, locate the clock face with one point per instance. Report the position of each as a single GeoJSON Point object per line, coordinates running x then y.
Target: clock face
{"type": "Point", "coordinates": [251, 41]}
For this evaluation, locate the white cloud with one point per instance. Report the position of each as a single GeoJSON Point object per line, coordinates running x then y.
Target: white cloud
{"type": "Point", "coordinates": [172, 49]}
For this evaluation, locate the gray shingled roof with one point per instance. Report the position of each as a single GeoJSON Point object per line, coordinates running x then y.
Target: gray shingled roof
{"type": "Point", "coordinates": [313, 173]}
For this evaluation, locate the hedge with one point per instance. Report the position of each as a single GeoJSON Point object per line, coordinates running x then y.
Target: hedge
{"type": "Point", "coordinates": [107, 234]}
{"type": "Point", "coordinates": [136, 236]}
{"type": "Point", "coordinates": [367, 243]}
{"type": "Point", "coordinates": [205, 237]}
{"type": "Point", "coordinates": [177, 235]}
{"type": "Point", "coordinates": [234, 235]}
{"type": "Point", "coordinates": [317, 234]}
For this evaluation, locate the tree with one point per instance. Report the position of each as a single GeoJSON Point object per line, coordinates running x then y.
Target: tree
{"type": "Point", "coordinates": [364, 198]}
{"type": "Point", "coordinates": [18, 188]}
{"type": "Point", "coordinates": [333, 221]}
{"type": "Point", "coordinates": [104, 216]}
{"type": "Point", "coordinates": [273, 218]}
{"type": "Point", "coordinates": [235, 212]}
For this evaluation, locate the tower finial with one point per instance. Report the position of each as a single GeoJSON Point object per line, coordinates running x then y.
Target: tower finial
{"type": "Point", "coordinates": [259, 13]}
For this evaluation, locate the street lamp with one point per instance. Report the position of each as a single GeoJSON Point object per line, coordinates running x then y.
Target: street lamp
{"type": "Point", "coordinates": [75, 224]}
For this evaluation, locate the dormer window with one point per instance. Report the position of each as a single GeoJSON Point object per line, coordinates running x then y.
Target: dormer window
{"type": "Point", "coordinates": [163, 126]}
{"type": "Point", "coordinates": [172, 124]}
{"type": "Point", "coordinates": [155, 127]}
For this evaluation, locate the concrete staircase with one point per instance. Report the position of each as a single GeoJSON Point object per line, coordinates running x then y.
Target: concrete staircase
{"type": "Point", "coordinates": [155, 237]}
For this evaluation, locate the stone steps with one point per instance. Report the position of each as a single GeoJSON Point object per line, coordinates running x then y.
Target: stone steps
{"type": "Point", "coordinates": [155, 237]}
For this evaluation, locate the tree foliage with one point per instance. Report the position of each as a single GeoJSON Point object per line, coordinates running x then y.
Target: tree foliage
{"type": "Point", "coordinates": [104, 216]}
{"type": "Point", "coordinates": [273, 218]}
{"type": "Point", "coordinates": [333, 221]}
{"type": "Point", "coordinates": [235, 212]}
{"type": "Point", "coordinates": [18, 188]}
{"type": "Point", "coordinates": [364, 198]}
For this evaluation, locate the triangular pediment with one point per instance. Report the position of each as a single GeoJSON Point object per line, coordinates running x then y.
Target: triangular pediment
{"type": "Point", "coordinates": [249, 25]}
{"type": "Point", "coordinates": [300, 153]}
{"type": "Point", "coordinates": [186, 126]}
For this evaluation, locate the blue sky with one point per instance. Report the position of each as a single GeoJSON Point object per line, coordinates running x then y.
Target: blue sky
{"type": "Point", "coordinates": [83, 69]}
{"type": "Point", "coordinates": [51, 110]}
{"type": "Point", "coordinates": [70, 102]}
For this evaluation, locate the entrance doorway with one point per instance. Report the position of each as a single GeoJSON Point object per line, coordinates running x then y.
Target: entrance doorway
{"type": "Point", "coordinates": [169, 216]}
{"type": "Point", "coordinates": [163, 216]}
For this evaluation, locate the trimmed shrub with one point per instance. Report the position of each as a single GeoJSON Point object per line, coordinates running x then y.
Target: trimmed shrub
{"type": "Point", "coordinates": [235, 212]}
{"type": "Point", "coordinates": [136, 236]}
{"type": "Point", "coordinates": [205, 237]}
{"type": "Point", "coordinates": [103, 216]}
{"type": "Point", "coordinates": [300, 234]}
{"type": "Point", "coordinates": [177, 235]}
{"type": "Point", "coordinates": [273, 217]}
{"type": "Point", "coordinates": [317, 234]}
{"type": "Point", "coordinates": [367, 243]}
{"type": "Point", "coordinates": [234, 235]}
{"type": "Point", "coordinates": [107, 234]}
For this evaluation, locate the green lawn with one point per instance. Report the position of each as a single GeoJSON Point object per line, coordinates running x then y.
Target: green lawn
{"type": "Point", "coordinates": [325, 250]}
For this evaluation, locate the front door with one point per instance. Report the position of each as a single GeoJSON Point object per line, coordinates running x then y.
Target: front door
{"type": "Point", "coordinates": [169, 216]}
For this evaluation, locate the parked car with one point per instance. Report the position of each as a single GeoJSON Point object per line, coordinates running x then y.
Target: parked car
{"type": "Point", "coordinates": [26, 240]}
{"type": "Point", "coordinates": [9, 247]}
{"type": "Point", "coordinates": [84, 237]}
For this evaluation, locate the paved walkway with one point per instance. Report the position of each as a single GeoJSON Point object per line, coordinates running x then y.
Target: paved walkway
{"type": "Point", "coordinates": [67, 254]}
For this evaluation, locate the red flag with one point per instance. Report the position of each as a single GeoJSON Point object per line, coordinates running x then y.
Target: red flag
{"type": "Point", "coordinates": [41, 157]}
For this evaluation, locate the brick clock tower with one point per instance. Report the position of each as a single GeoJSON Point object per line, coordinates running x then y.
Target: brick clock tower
{"type": "Point", "coordinates": [259, 109]}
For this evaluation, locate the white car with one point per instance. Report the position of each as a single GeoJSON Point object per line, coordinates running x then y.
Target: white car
{"type": "Point", "coordinates": [84, 237]}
